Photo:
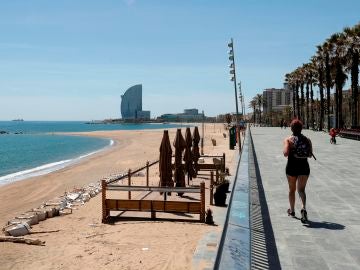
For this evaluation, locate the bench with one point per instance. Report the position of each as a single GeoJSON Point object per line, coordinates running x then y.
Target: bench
{"type": "Point", "coordinates": [153, 206]}
{"type": "Point", "coordinates": [350, 134]}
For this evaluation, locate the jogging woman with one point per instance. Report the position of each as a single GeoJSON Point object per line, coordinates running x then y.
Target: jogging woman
{"type": "Point", "coordinates": [297, 148]}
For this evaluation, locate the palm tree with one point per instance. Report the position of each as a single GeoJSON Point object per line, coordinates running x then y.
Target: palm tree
{"type": "Point", "coordinates": [297, 78]}
{"type": "Point", "coordinates": [352, 36]}
{"type": "Point", "coordinates": [338, 40]}
{"type": "Point", "coordinates": [308, 80]}
{"type": "Point", "coordinates": [253, 106]}
{"type": "Point", "coordinates": [290, 80]}
{"type": "Point", "coordinates": [302, 99]}
{"type": "Point", "coordinates": [259, 103]}
{"type": "Point", "coordinates": [318, 62]}
{"type": "Point", "coordinates": [326, 47]}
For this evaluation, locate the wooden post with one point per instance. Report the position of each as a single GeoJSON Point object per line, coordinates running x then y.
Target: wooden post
{"type": "Point", "coordinates": [216, 177]}
{"type": "Point", "coordinates": [147, 173]}
{"type": "Point", "coordinates": [212, 186]}
{"type": "Point", "coordinates": [223, 159]}
{"type": "Point", "coordinates": [129, 184]}
{"type": "Point", "coordinates": [202, 201]}
{"type": "Point", "coordinates": [103, 200]}
{"type": "Point", "coordinates": [153, 213]}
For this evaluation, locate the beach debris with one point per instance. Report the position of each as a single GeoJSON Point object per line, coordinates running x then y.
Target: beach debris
{"type": "Point", "coordinates": [72, 196]}
{"type": "Point", "coordinates": [22, 240]}
{"type": "Point", "coordinates": [19, 229]}
{"type": "Point", "coordinates": [41, 213]}
{"type": "Point", "coordinates": [51, 231]}
{"type": "Point", "coordinates": [63, 205]}
{"type": "Point", "coordinates": [18, 221]}
{"type": "Point", "coordinates": [31, 217]}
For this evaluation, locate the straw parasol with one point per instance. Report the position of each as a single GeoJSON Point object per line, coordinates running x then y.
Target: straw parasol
{"type": "Point", "coordinates": [179, 176]}
{"type": "Point", "coordinates": [195, 149]}
{"type": "Point", "coordinates": [165, 162]}
{"type": "Point", "coordinates": [188, 155]}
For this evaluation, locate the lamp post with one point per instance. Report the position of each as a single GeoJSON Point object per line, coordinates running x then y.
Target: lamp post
{"type": "Point", "coordinates": [202, 139]}
{"type": "Point", "coordinates": [233, 78]}
{"type": "Point", "coordinates": [241, 97]}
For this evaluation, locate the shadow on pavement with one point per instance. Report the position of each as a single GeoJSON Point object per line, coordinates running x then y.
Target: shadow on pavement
{"type": "Point", "coordinates": [324, 225]}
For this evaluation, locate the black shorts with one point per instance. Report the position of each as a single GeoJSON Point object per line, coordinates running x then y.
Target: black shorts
{"type": "Point", "coordinates": [297, 166]}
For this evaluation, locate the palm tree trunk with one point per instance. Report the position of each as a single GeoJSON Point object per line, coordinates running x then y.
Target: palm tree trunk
{"type": "Point", "coordinates": [294, 100]}
{"type": "Point", "coordinates": [302, 101]}
{"type": "Point", "coordinates": [321, 89]}
{"type": "Point", "coordinates": [339, 80]}
{"type": "Point", "coordinates": [321, 107]}
{"type": "Point", "coordinates": [312, 105]}
{"type": "Point", "coordinates": [354, 88]}
{"type": "Point", "coordinates": [307, 105]}
{"type": "Point", "coordinates": [297, 101]}
{"type": "Point", "coordinates": [328, 87]}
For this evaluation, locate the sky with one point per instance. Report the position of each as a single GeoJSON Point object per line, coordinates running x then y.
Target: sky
{"type": "Point", "coordinates": [72, 60]}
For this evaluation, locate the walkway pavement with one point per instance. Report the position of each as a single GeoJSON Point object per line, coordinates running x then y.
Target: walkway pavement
{"type": "Point", "coordinates": [332, 239]}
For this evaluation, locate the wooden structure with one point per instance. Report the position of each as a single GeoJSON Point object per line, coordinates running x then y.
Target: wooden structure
{"type": "Point", "coordinates": [353, 134]}
{"type": "Point", "coordinates": [152, 206]}
{"type": "Point", "coordinates": [216, 166]}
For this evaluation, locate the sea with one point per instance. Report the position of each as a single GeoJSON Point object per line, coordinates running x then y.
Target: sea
{"type": "Point", "coordinates": [32, 148]}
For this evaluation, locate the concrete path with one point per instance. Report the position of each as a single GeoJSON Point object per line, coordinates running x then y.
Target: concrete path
{"type": "Point", "coordinates": [332, 239]}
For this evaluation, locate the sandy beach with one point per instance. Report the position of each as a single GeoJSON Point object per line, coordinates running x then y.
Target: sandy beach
{"type": "Point", "coordinates": [82, 241]}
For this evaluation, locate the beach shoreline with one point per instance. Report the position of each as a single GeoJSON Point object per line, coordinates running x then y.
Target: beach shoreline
{"type": "Point", "coordinates": [51, 167]}
{"type": "Point", "coordinates": [131, 150]}
{"type": "Point", "coordinates": [37, 189]}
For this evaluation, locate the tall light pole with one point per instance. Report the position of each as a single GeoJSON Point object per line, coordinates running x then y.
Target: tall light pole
{"type": "Point", "coordinates": [233, 78]}
{"type": "Point", "coordinates": [241, 97]}
{"type": "Point", "coordinates": [203, 135]}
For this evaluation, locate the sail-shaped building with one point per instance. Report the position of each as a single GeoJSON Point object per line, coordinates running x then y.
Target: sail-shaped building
{"type": "Point", "coordinates": [131, 104]}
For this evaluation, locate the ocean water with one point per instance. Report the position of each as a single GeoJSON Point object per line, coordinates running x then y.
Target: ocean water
{"type": "Point", "coordinates": [31, 148]}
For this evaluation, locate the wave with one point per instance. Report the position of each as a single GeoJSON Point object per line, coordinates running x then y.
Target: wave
{"type": "Point", "coordinates": [46, 168]}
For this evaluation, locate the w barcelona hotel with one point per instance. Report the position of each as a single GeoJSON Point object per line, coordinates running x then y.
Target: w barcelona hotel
{"type": "Point", "coordinates": [131, 104]}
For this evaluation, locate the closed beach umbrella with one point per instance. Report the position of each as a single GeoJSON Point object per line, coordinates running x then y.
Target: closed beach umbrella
{"type": "Point", "coordinates": [188, 155]}
{"type": "Point", "coordinates": [165, 162]}
{"type": "Point", "coordinates": [195, 149]}
{"type": "Point", "coordinates": [179, 144]}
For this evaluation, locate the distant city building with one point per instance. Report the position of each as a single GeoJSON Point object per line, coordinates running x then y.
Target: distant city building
{"type": "Point", "coordinates": [131, 104]}
{"type": "Point", "coordinates": [277, 99]}
{"type": "Point", "coordinates": [188, 115]}
{"type": "Point", "coordinates": [143, 115]}
{"type": "Point", "coordinates": [191, 111]}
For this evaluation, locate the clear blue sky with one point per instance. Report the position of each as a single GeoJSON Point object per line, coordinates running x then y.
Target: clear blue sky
{"type": "Point", "coordinates": [72, 60]}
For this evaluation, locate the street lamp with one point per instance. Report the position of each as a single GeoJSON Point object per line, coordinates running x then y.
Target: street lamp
{"type": "Point", "coordinates": [233, 78]}
{"type": "Point", "coordinates": [241, 97]}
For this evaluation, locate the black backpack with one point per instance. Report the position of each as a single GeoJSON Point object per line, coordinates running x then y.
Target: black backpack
{"type": "Point", "coordinates": [302, 148]}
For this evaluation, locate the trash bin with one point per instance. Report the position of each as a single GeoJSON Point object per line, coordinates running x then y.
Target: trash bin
{"type": "Point", "coordinates": [232, 137]}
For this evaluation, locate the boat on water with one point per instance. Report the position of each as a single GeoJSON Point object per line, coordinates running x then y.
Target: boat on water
{"type": "Point", "coordinates": [18, 120]}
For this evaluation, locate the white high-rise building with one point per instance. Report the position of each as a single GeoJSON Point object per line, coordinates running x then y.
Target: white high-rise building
{"type": "Point", "coordinates": [277, 99]}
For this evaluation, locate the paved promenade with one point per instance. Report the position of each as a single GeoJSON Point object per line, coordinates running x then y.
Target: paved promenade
{"type": "Point", "coordinates": [332, 239]}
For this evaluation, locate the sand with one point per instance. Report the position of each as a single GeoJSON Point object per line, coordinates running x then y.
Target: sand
{"type": "Point", "coordinates": [83, 242]}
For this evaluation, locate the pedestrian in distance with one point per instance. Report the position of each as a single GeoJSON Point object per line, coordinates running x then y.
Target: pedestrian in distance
{"type": "Point", "coordinates": [332, 134]}
{"type": "Point", "coordinates": [297, 149]}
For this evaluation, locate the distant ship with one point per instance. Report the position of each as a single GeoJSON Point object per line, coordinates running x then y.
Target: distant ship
{"type": "Point", "coordinates": [18, 120]}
